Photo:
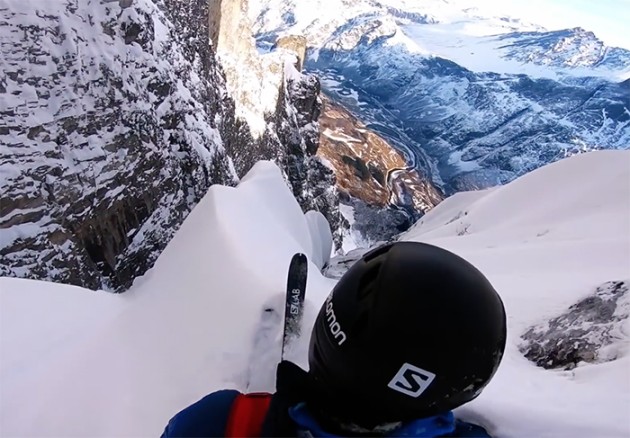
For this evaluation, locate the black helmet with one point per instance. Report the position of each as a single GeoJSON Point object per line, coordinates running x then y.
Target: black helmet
{"type": "Point", "coordinates": [410, 331]}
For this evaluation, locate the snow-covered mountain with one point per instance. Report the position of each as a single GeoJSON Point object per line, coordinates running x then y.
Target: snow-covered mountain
{"type": "Point", "coordinates": [571, 48]}
{"type": "Point", "coordinates": [486, 98]}
{"type": "Point", "coordinates": [319, 19]}
{"type": "Point", "coordinates": [116, 117]}
{"type": "Point", "coordinates": [75, 363]}
{"type": "Point", "coordinates": [449, 29]}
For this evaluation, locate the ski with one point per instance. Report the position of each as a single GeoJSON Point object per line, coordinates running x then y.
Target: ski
{"type": "Point", "coordinates": [294, 302]}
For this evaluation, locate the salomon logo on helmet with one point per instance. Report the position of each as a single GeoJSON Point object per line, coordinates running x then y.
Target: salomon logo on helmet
{"type": "Point", "coordinates": [411, 380]}
{"type": "Point", "coordinates": [333, 325]}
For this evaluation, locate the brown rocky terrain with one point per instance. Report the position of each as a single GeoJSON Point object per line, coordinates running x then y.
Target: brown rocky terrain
{"type": "Point", "coordinates": [367, 167]}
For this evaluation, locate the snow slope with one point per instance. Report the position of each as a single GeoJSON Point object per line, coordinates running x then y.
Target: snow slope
{"type": "Point", "coordinates": [545, 241]}
{"type": "Point", "coordinates": [80, 363]}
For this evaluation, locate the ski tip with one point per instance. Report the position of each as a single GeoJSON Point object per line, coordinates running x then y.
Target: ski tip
{"type": "Point", "coordinates": [298, 257]}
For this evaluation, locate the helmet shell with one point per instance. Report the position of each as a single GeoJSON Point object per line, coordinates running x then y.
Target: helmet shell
{"type": "Point", "coordinates": [411, 330]}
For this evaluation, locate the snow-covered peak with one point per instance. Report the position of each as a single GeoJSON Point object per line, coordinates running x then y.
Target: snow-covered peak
{"type": "Point", "coordinates": [479, 40]}
{"type": "Point", "coordinates": [575, 47]}
{"type": "Point", "coordinates": [320, 18]}
{"type": "Point", "coordinates": [539, 54]}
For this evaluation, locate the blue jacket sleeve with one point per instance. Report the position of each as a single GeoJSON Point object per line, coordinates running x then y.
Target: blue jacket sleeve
{"type": "Point", "coordinates": [206, 418]}
{"type": "Point", "coordinates": [469, 430]}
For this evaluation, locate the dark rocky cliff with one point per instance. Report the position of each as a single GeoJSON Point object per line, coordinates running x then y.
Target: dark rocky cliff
{"type": "Point", "coordinates": [116, 118]}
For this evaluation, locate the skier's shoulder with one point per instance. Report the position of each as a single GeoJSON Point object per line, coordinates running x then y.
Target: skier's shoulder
{"type": "Point", "coordinates": [207, 417]}
{"type": "Point", "coordinates": [469, 430]}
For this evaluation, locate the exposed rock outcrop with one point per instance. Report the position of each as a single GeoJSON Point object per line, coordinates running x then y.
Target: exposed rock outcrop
{"type": "Point", "coordinates": [591, 330]}
{"type": "Point", "coordinates": [254, 81]}
{"type": "Point", "coordinates": [313, 183]}
{"type": "Point", "coordinates": [296, 44]}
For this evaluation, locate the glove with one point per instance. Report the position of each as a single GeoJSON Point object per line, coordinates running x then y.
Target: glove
{"type": "Point", "coordinates": [293, 385]}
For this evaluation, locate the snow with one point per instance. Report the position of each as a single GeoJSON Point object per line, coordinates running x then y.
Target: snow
{"type": "Point", "coordinates": [80, 363]}
{"type": "Point", "coordinates": [321, 237]}
{"type": "Point", "coordinates": [545, 241]}
{"type": "Point", "coordinates": [469, 36]}
{"type": "Point", "coordinates": [130, 361]}
{"type": "Point", "coordinates": [479, 48]}
{"type": "Point", "coordinates": [455, 158]}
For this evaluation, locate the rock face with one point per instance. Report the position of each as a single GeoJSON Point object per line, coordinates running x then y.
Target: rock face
{"type": "Point", "coordinates": [116, 118]}
{"type": "Point", "coordinates": [296, 44]}
{"type": "Point", "coordinates": [252, 80]}
{"type": "Point", "coordinates": [313, 183]}
{"type": "Point", "coordinates": [106, 147]}
{"type": "Point", "coordinates": [386, 192]}
{"type": "Point", "coordinates": [590, 331]}
{"type": "Point", "coordinates": [280, 105]}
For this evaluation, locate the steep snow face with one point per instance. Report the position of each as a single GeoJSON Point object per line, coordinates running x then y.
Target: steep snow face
{"type": "Point", "coordinates": [124, 364]}
{"type": "Point", "coordinates": [190, 325]}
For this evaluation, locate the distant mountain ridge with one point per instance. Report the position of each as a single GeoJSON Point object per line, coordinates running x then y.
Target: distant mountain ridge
{"type": "Point", "coordinates": [477, 100]}
{"type": "Point", "coordinates": [575, 47]}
